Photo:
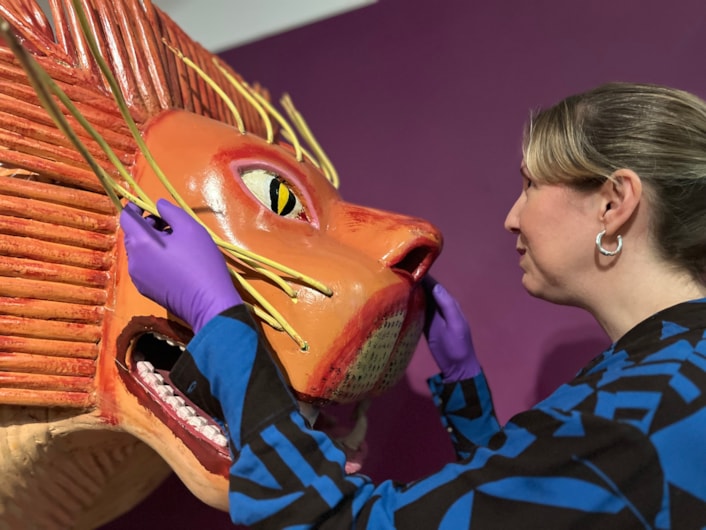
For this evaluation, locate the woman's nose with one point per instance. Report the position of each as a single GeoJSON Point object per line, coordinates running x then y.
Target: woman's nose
{"type": "Point", "coordinates": [512, 220]}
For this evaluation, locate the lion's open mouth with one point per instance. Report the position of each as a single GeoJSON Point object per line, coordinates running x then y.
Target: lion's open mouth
{"type": "Point", "coordinates": [155, 357]}
{"type": "Point", "coordinates": [149, 354]}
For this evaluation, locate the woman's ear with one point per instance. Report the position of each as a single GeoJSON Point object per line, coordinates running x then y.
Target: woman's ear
{"type": "Point", "coordinates": [620, 195]}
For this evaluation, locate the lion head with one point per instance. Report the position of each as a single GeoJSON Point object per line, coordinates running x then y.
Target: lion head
{"type": "Point", "coordinates": [114, 101]}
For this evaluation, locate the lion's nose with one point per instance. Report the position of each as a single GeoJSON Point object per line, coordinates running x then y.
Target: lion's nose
{"type": "Point", "coordinates": [417, 257]}
{"type": "Point", "coordinates": [406, 245]}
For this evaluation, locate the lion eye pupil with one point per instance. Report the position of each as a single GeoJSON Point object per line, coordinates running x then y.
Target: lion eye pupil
{"type": "Point", "coordinates": [282, 200]}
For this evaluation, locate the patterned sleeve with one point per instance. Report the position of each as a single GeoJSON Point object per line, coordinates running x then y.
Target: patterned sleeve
{"type": "Point", "coordinates": [467, 412]}
{"type": "Point", "coordinates": [565, 471]}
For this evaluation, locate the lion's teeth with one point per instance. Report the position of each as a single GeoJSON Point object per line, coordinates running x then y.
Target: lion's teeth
{"type": "Point", "coordinates": [165, 392]}
{"type": "Point", "coordinates": [213, 433]}
{"type": "Point", "coordinates": [175, 402]}
{"type": "Point", "coordinates": [153, 379]}
{"type": "Point", "coordinates": [144, 367]}
{"type": "Point", "coordinates": [196, 421]}
{"type": "Point", "coordinates": [185, 412]}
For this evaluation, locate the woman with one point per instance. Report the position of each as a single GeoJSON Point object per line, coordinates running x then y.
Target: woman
{"type": "Point", "coordinates": [611, 218]}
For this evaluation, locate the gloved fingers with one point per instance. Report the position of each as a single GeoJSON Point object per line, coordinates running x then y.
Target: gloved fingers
{"type": "Point", "coordinates": [442, 304]}
{"type": "Point", "coordinates": [131, 206]}
{"type": "Point", "coordinates": [177, 218]}
{"type": "Point", "coordinates": [450, 311]}
{"type": "Point", "coordinates": [167, 210]}
{"type": "Point", "coordinates": [432, 308]}
{"type": "Point", "coordinates": [137, 229]}
{"type": "Point", "coordinates": [132, 222]}
{"type": "Point", "coordinates": [136, 214]}
{"type": "Point", "coordinates": [188, 230]}
{"type": "Point", "coordinates": [156, 222]}
{"type": "Point", "coordinates": [428, 282]}
{"type": "Point", "coordinates": [447, 303]}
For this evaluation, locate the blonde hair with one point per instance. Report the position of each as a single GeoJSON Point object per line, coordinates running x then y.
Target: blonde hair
{"type": "Point", "coordinates": [656, 131]}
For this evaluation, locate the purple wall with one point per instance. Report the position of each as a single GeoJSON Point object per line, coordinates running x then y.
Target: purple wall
{"type": "Point", "coordinates": [420, 105]}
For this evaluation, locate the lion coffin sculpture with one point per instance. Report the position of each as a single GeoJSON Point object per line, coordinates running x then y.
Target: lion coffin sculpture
{"type": "Point", "coordinates": [103, 101]}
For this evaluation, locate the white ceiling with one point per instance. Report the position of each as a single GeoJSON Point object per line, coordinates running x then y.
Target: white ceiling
{"type": "Point", "coordinates": [222, 24]}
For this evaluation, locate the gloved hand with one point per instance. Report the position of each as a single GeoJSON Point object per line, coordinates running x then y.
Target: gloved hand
{"type": "Point", "coordinates": [448, 334]}
{"type": "Point", "coordinates": [180, 268]}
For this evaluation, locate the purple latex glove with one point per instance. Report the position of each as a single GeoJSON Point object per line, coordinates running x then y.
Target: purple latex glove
{"type": "Point", "coordinates": [180, 268]}
{"type": "Point", "coordinates": [448, 334]}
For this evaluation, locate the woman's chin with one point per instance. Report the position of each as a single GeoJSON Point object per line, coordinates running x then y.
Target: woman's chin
{"type": "Point", "coordinates": [530, 285]}
{"type": "Point", "coordinates": [537, 289]}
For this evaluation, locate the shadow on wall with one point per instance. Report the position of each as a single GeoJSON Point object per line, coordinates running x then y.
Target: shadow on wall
{"type": "Point", "coordinates": [565, 358]}
{"type": "Point", "coordinates": [406, 439]}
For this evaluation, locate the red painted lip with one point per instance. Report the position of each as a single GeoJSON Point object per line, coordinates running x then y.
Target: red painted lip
{"type": "Point", "coordinates": [521, 251]}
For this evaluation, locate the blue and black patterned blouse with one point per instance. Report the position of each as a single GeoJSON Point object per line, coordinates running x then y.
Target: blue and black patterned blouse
{"type": "Point", "coordinates": [621, 446]}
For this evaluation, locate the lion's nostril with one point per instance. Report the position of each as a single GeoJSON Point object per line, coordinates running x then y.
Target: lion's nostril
{"type": "Point", "coordinates": [416, 261]}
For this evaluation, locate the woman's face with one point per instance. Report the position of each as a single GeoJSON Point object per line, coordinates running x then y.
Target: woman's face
{"type": "Point", "coordinates": [556, 228]}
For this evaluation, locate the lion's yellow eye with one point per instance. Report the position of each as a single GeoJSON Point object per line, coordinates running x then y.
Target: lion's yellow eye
{"type": "Point", "coordinates": [274, 192]}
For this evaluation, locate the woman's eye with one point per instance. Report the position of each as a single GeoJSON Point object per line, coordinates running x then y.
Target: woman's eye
{"type": "Point", "coordinates": [274, 192]}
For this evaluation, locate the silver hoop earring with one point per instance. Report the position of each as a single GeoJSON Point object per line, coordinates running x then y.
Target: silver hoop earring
{"type": "Point", "coordinates": [599, 240]}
